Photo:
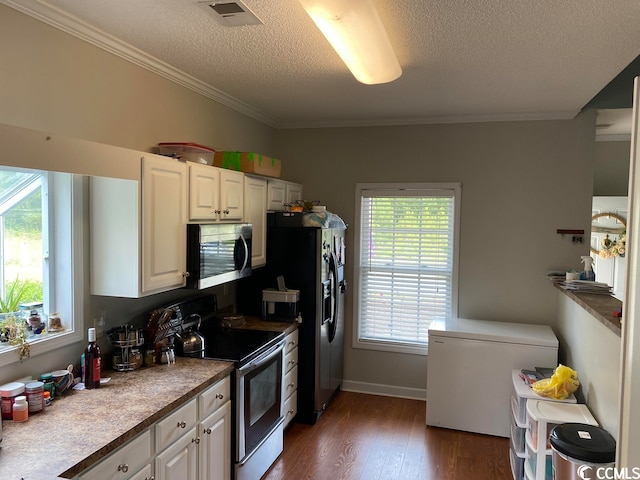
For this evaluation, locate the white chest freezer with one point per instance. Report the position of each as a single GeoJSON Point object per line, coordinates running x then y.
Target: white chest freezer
{"type": "Point", "coordinates": [469, 368]}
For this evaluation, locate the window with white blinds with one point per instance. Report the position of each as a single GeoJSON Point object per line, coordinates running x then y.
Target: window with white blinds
{"type": "Point", "coordinates": [406, 263]}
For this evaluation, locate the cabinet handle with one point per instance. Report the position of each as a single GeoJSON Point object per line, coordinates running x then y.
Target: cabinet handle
{"type": "Point", "coordinates": [149, 478]}
{"type": "Point", "coordinates": [123, 468]}
{"type": "Point", "coordinates": [217, 212]}
{"type": "Point", "coordinates": [207, 431]}
{"type": "Point", "coordinates": [226, 211]}
{"type": "Point", "coordinates": [290, 412]}
{"type": "Point", "coordinates": [291, 385]}
{"type": "Point", "coordinates": [219, 396]}
{"type": "Point", "coordinates": [291, 362]}
{"type": "Point", "coordinates": [181, 424]}
{"type": "Point", "coordinates": [185, 274]}
{"type": "Point", "coordinates": [195, 440]}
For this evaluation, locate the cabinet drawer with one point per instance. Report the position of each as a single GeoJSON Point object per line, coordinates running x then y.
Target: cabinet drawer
{"type": "Point", "coordinates": [291, 360]}
{"type": "Point", "coordinates": [214, 397]}
{"type": "Point", "coordinates": [176, 424]}
{"type": "Point", "coordinates": [290, 408]}
{"type": "Point", "coordinates": [291, 382]}
{"type": "Point", "coordinates": [123, 463]}
{"type": "Point", "coordinates": [292, 341]}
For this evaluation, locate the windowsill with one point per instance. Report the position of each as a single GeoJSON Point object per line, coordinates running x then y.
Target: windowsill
{"type": "Point", "coordinates": [601, 307]}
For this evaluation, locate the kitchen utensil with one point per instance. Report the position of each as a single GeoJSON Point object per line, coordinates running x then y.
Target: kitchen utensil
{"type": "Point", "coordinates": [190, 343]}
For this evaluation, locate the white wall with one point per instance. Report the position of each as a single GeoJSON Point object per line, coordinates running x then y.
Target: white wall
{"type": "Point", "coordinates": [521, 181]}
{"type": "Point", "coordinates": [593, 351]}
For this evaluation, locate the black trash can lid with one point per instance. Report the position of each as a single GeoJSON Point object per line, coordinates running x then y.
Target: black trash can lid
{"type": "Point", "coordinates": [584, 442]}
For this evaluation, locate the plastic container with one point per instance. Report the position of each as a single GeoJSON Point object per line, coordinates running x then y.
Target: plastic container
{"type": "Point", "coordinates": [47, 381]}
{"type": "Point", "coordinates": [8, 393]}
{"type": "Point", "coordinates": [524, 393]}
{"type": "Point", "coordinates": [280, 305]}
{"type": "Point", "coordinates": [544, 416]}
{"type": "Point", "coordinates": [20, 409]}
{"type": "Point", "coordinates": [580, 451]}
{"type": "Point", "coordinates": [35, 396]}
{"type": "Point", "coordinates": [190, 152]}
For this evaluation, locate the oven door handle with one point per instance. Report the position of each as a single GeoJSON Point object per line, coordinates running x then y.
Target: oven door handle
{"type": "Point", "coordinates": [262, 359]}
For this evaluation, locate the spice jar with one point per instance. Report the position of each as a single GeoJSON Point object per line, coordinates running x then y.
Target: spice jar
{"type": "Point", "coordinates": [35, 396]}
{"type": "Point", "coordinates": [47, 380]}
{"type": "Point", "coordinates": [8, 393]}
{"type": "Point", "coordinates": [20, 409]}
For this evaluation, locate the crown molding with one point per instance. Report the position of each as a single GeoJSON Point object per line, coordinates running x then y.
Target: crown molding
{"type": "Point", "coordinates": [51, 15]}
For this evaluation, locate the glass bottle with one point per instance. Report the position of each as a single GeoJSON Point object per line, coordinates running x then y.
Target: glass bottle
{"type": "Point", "coordinates": [92, 362]}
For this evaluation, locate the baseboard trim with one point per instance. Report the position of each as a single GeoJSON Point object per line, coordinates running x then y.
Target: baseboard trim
{"type": "Point", "coordinates": [384, 390]}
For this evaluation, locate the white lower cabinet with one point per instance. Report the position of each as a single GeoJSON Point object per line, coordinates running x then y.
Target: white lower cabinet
{"type": "Point", "coordinates": [191, 443]}
{"type": "Point", "coordinates": [215, 445]}
{"type": "Point", "coordinates": [291, 377]}
{"type": "Point", "coordinates": [126, 463]}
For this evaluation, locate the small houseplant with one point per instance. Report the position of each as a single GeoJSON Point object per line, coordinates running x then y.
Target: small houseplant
{"type": "Point", "coordinates": [12, 328]}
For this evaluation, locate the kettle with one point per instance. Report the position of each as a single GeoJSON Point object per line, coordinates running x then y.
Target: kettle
{"type": "Point", "coordinates": [190, 343]}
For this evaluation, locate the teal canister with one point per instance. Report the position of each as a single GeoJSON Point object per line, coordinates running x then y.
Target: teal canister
{"type": "Point", "coordinates": [47, 379]}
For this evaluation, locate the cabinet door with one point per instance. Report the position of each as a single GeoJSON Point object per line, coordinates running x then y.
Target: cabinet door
{"type": "Point", "coordinates": [164, 232]}
{"type": "Point", "coordinates": [293, 193]}
{"type": "Point", "coordinates": [290, 408]}
{"type": "Point", "coordinates": [215, 445]}
{"type": "Point", "coordinates": [175, 424]}
{"type": "Point", "coordinates": [231, 195]}
{"type": "Point", "coordinates": [179, 461]}
{"type": "Point", "coordinates": [255, 212]}
{"type": "Point", "coordinates": [276, 192]}
{"type": "Point", "coordinates": [204, 192]}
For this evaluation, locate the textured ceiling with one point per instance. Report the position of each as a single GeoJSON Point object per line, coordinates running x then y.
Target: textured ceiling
{"type": "Point", "coordinates": [462, 60]}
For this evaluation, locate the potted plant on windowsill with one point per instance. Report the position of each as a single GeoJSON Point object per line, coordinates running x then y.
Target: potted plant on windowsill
{"type": "Point", "coordinates": [13, 329]}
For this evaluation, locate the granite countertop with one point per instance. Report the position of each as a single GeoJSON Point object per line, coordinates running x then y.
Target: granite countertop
{"type": "Point", "coordinates": [600, 306]}
{"type": "Point", "coordinates": [257, 323]}
{"type": "Point", "coordinates": [83, 426]}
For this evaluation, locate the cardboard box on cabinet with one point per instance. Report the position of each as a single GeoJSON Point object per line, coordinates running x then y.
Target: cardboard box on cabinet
{"type": "Point", "coordinates": [248, 162]}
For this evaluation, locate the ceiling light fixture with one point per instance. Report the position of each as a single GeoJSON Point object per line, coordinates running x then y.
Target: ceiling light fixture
{"type": "Point", "coordinates": [355, 31]}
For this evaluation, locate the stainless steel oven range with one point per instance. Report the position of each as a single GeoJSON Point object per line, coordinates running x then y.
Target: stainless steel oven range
{"type": "Point", "coordinates": [257, 409]}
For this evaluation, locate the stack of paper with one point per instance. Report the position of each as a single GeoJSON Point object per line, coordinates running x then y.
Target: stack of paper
{"type": "Point", "coordinates": [587, 286]}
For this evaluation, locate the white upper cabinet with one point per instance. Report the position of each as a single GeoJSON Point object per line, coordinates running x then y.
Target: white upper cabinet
{"type": "Point", "coordinates": [138, 230]}
{"type": "Point", "coordinates": [282, 193]}
{"type": "Point", "coordinates": [255, 209]}
{"type": "Point", "coordinates": [215, 194]}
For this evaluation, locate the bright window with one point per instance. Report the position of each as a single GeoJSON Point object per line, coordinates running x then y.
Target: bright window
{"type": "Point", "coordinates": [41, 253]}
{"type": "Point", "coordinates": [406, 272]}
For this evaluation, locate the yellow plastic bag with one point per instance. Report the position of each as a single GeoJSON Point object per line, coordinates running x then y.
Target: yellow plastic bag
{"type": "Point", "coordinates": [562, 383]}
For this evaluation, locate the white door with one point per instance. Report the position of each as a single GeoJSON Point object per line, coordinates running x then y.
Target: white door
{"type": "Point", "coordinates": [231, 195]}
{"type": "Point", "coordinates": [204, 192]}
{"type": "Point", "coordinates": [606, 225]}
{"type": "Point", "coordinates": [255, 213]}
{"type": "Point", "coordinates": [215, 445]}
{"type": "Point", "coordinates": [164, 231]}
{"type": "Point", "coordinates": [628, 441]}
{"type": "Point", "coordinates": [179, 461]}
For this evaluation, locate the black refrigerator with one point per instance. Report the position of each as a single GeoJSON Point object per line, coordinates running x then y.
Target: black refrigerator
{"type": "Point", "coordinates": [311, 259]}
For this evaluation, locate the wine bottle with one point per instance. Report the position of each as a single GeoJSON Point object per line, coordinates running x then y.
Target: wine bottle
{"type": "Point", "coordinates": [92, 362]}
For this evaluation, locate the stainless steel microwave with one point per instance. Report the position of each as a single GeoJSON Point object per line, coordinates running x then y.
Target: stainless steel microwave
{"type": "Point", "coordinates": [217, 253]}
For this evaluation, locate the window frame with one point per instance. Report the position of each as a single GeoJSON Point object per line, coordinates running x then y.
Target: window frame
{"type": "Point", "coordinates": [64, 261]}
{"type": "Point", "coordinates": [395, 188]}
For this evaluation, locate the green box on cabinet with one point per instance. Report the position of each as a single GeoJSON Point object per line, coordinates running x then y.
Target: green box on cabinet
{"type": "Point", "coordinates": [248, 162]}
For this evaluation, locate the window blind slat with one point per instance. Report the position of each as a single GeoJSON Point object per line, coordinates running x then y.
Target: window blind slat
{"type": "Point", "coordinates": [406, 265]}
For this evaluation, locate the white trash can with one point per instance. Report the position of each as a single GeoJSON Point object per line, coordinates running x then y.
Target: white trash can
{"type": "Point", "coordinates": [579, 450]}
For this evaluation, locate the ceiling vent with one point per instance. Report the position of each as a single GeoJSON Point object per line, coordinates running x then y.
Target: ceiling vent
{"type": "Point", "coordinates": [232, 13]}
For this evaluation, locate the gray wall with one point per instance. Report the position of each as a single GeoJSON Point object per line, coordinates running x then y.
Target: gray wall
{"type": "Point", "coordinates": [611, 174]}
{"type": "Point", "coordinates": [55, 83]}
{"type": "Point", "coordinates": [521, 181]}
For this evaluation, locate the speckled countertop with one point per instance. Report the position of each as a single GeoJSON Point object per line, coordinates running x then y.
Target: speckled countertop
{"type": "Point", "coordinates": [83, 426]}
{"type": "Point", "coordinates": [600, 306]}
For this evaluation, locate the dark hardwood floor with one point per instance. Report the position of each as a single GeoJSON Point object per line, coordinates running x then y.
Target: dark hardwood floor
{"type": "Point", "coordinates": [371, 437]}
